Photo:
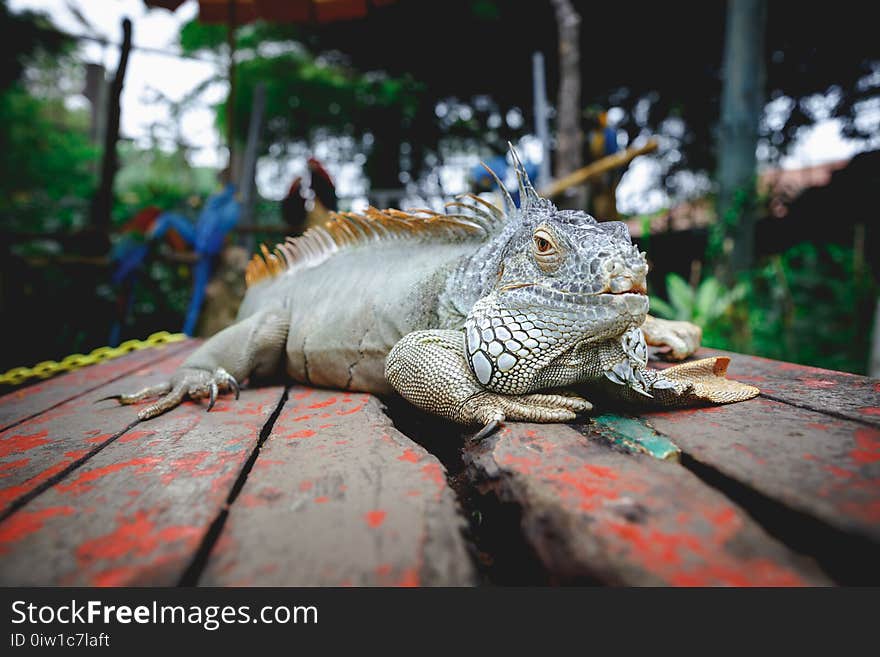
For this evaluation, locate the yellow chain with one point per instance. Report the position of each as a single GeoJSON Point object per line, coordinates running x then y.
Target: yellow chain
{"type": "Point", "coordinates": [50, 367]}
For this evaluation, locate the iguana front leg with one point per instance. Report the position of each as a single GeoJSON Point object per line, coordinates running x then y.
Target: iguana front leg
{"type": "Point", "coordinates": [677, 340]}
{"type": "Point", "coordinates": [696, 383]}
{"type": "Point", "coordinates": [252, 346]}
{"type": "Point", "coordinates": [429, 369]}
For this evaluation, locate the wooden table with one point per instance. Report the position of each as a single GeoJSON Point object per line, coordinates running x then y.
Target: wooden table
{"type": "Point", "coordinates": [300, 486]}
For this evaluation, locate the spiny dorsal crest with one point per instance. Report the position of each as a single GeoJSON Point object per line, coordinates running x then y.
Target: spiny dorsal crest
{"type": "Point", "coordinates": [477, 219]}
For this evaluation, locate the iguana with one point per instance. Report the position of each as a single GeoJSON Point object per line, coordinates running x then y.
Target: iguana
{"type": "Point", "coordinates": [480, 315]}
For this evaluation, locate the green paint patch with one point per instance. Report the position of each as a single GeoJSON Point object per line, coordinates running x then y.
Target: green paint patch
{"type": "Point", "coordinates": [636, 436]}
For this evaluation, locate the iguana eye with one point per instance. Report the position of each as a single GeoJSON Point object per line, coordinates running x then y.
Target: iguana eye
{"type": "Point", "coordinates": [546, 253]}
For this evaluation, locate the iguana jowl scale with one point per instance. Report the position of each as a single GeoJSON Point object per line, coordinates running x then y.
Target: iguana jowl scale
{"type": "Point", "coordinates": [481, 316]}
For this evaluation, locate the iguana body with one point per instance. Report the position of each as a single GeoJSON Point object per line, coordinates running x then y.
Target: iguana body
{"type": "Point", "coordinates": [479, 317]}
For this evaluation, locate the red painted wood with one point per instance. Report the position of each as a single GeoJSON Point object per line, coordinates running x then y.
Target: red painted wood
{"type": "Point", "coordinates": [39, 397]}
{"type": "Point", "coordinates": [822, 465]}
{"type": "Point", "coordinates": [593, 513]}
{"type": "Point", "coordinates": [137, 511]}
{"type": "Point", "coordinates": [826, 391]}
{"type": "Point", "coordinates": [339, 497]}
{"type": "Point", "coordinates": [38, 450]}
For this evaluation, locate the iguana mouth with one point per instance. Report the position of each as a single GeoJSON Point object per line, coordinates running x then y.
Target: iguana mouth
{"type": "Point", "coordinates": [517, 286]}
{"type": "Point", "coordinates": [637, 289]}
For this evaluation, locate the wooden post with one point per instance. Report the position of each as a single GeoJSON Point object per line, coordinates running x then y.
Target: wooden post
{"type": "Point", "coordinates": [230, 101]}
{"type": "Point", "coordinates": [569, 138]}
{"type": "Point", "coordinates": [742, 101]}
{"type": "Point", "coordinates": [102, 202]}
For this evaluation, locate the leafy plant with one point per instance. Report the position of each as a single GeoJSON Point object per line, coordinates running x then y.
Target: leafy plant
{"type": "Point", "coordinates": [703, 306]}
{"type": "Point", "coordinates": [811, 304]}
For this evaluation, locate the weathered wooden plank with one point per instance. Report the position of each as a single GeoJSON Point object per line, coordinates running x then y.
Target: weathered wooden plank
{"type": "Point", "coordinates": [817, 464]}
{"type": "Point", "coordinates": [40, 449]}
{"type": "Point", "coordinates": [836, 393]}
{"type": "Point", "coordinates": [592, 512]}
{"type": "Point", "coordinates": [339, 497]}
{"type": "Point", "coordinates": [137, 512]}
{"type": "Point", "coordinates": [27, 402]}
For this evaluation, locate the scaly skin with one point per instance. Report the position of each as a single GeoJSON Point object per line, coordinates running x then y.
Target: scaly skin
{"type": "Point", "coordinates": [497, 320]}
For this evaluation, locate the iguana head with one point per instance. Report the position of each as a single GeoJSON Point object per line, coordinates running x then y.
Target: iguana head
{"type": "Point", "coordinates": [552, 281]}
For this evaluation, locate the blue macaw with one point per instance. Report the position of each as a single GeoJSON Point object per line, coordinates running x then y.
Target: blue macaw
{"type": "Point", "coordinates": [206, 237]}
{"type": "Point", "coordinates": [219, 216]}
{"type": "Point", "coordinates": [603, 140]}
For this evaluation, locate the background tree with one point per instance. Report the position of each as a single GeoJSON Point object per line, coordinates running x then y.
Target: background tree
{"type": "Point", "coordinates": [742, 102]}
{"type": "Point", "coordinates": [569, 137]}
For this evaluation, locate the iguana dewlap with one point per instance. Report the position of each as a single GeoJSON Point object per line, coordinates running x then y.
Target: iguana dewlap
{"type": "Point", "coordinates": [480, 316]}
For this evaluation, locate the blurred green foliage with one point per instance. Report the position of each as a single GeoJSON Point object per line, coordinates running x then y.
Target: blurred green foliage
{"type": "Point", "coordinates": [46, 172]}
{"type": "Point", "coordinates": [811, 304]}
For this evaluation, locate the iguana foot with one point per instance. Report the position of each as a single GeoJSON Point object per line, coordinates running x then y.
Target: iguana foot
{"type": "Point", "coordinates": [187, 382]}
{"type": "Point", "coordinates": [428, 368]}
{"type": "Point", "coordinates": [547, 407]}
{"type": "Point", "coordinates": [488, 407]}
{"type": "Point", "coordinates": [700, 382]}
{"type": "Point", "coordinates": [675, 340]}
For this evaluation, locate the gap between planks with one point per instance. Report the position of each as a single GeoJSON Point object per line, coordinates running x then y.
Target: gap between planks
{"type": "Point", "coordinates": [42, 487]}
{"type": "Point", "coordinates": [193, 572]}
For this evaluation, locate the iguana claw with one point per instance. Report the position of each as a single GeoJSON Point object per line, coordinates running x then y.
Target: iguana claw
{"type": "Point", "coordinates": [140, 395]}
{"type": "Point", "coordinates": [490, 427]}
{"type": "Point", "coordinates": [187, 382]}
{"type": "Point", "coordinates": [214, 392]}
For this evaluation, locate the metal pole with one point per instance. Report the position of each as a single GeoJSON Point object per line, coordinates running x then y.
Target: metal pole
{"type": "Point", "coordinates": [249, 167]}
{"type": "Point", "coordinates": [542, 118]}
{"type": "Point", "coordinates": [230, 101]}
